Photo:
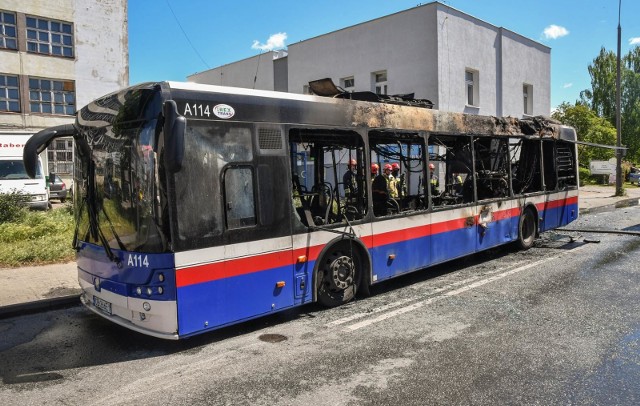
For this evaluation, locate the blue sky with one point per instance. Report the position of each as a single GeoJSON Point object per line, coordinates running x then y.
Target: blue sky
{"type": "Point", "coordinates": [220, 32]}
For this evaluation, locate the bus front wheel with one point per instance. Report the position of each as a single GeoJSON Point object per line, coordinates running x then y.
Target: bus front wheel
{"type": "Point", "coordinates": [339, 274]}
{"type": "Point", "coordinates": [527, 229]}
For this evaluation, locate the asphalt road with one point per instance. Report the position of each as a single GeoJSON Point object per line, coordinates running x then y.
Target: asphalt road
{"type": "Point", "coordinates": [558, 324]}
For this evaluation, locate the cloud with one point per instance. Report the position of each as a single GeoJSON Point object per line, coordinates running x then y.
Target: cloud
{"type": "Point", "coordinates": [634, 41]}
{"type": "Point", "coordinates": [554, 31]}
{"type": "Point", "coordinates": [567, 85]}
{"type": "Point", "coordinates": [275, 41]}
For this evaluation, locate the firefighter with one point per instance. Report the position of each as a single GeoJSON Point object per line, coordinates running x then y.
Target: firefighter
{"type": "Point", "coordinates": [380, 191]}
{"type": "Point", "coordinates": [435, 183]}
{"type": "Point", "coordinates": [392, 185]}
{"type": "Point", "coordinates": [349, 180]}
{"type": "Point", "coordinates": [457, 183]}
{"type": "Point", "coordinates": [401, 186]}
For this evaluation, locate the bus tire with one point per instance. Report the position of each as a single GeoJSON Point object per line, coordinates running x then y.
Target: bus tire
{"type": "Point", "coordinates": [339, 273]}
{"type": "Point", "coordinates": [526, 229]}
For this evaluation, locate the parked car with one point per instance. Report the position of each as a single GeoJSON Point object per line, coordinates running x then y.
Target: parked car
{"type": "Point", "coordinates": [634, 178]}
{"type": "Point", "coordinates": [57, 189]}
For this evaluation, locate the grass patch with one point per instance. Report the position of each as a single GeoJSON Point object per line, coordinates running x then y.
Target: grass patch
{"type": "Point", "coordinates": [37, 238]}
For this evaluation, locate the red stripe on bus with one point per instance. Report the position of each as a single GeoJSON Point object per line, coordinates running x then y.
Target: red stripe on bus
{"type": "Point", "coordinates": [242, 266]}
{"type": "Point", "coordinates": [554, 204]}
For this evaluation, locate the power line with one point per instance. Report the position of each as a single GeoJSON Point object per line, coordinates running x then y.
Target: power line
{"type": "Point", "coordinates": [187, 37]}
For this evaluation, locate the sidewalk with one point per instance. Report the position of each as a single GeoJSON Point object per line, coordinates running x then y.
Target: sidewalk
{"type": "Point", "coordinates": [31, 289]}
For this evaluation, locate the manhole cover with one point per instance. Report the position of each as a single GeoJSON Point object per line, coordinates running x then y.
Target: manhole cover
{"type": "Point", "coordinates": [272, 338]}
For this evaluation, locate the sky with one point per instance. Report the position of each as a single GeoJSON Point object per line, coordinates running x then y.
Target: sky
{"type": "Point", "coordinates": [172, 39]}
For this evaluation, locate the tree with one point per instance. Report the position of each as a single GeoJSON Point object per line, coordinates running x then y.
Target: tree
{"type": "Point", "coordinates": [589, 128]}
{"type": "Point", "coordinates": [602, 95]}
{"type": "Point", "coordinates": [601, 98]}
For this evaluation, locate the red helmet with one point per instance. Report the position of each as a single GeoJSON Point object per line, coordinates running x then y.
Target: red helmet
{"type": "Point", "coordinates": [353, 162]}
{"type": "Point", "coordinates": [387, 167]}
{"type": "Point", "coordinates": [431, 166]}
{"type": "Point", "coordinates": [374, 168]}
{"type": "Point", "coordinates": [395, 166]}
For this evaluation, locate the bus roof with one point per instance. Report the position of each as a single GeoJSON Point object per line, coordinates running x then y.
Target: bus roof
{"type": "Point", "coordinates": [251, 105]}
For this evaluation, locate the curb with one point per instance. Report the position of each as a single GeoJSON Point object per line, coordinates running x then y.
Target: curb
{"type": "Point", "coordinates": [634, 201]}
{"type": "Point", "coordinates": [21, 309]}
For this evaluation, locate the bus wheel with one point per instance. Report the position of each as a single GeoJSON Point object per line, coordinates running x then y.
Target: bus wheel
{"type": "Point", "coordinates": [338, 275]}
{"type": "Point", "coordinates": [527, 229]}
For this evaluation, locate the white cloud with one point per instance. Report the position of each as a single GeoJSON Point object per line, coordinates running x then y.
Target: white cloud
{"type": "Point", "coordinates": [276, 41]}
{"type": "Point", "coordinates": [634, 41]}
{"type": "Point", "coordinates": [567, 85]}
{"type": "Point", "coordinates": [554, 31]}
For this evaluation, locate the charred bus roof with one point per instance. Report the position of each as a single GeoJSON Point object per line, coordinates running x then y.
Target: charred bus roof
{"type": "Point", "coordinates": [210, 102]}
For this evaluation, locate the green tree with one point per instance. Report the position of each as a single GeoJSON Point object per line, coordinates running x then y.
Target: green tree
{"type": "Point", "coordinates": [602, 95]}
{"type": "Point", "coordinates": [630, 104]}
{"type": "Point", "coordinates": [589, 128]}
{"type": "Point", "coordinates": [601, 98]}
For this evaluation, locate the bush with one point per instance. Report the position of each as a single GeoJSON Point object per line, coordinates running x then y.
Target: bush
{"type": "Point", "coordinates": [13, 206]}
{"type": "Point", "coordinates": [40, 238]}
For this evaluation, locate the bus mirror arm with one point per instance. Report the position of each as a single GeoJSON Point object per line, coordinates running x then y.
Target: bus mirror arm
{"type": "Point", "coordinates": [39, 142]}
{"type": "Point", "coordinates": [174, 128]}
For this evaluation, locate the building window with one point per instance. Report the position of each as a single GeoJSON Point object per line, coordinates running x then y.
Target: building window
{"type": "Point", "coordinates": [9, 93]}
{"type": "Point", "coordinates": [527, 94]}
{"type": "Point", "coordinates": [49, 37]}
{"type": "Point", "coordinates": [52, 96]}
{"type": "Point", "coordinates": [8, 37]}
{"type": "Point", "coordinates": [471, 85]}
{"type": "Point", "coordinates": [348, 83]}
{"type": "Point", "coordinates": [380, 82]}
{"type": "Point", "coordinates": [60, 154]}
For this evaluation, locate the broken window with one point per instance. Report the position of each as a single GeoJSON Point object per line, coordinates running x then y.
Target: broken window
{"type": "Point", "coordinates": [559, 165]}
{"type": "Point", "coordinates": [450, 176]}
{"type": "Point", "coordinates": [525, 155]}
{"type": "Point", "coordinates": [492, 167]}
{"type": "Point", "coordinates": [399, 188]}
{"type": "Point", "coordinates": [329, 182]}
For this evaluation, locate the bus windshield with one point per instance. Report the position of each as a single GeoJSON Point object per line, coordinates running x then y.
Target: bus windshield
{"type": "Point", "coordinates": [121, 188]}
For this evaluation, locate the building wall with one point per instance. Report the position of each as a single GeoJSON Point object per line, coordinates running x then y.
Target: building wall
{"type": "Point", "coordinates": [525, 61]}
{"type": "Point", "coordinates": [404, 44]}
{"type": "Point", "coordinates": [99, 64]}
{"type": "Point", "coordinates": [241, 73]}
{"type": "Point", "coordinates": [425, 50]}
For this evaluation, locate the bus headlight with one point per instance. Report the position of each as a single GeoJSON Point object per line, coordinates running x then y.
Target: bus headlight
{"type": "Point", "coordinates": [139, 290]}
{"type": "Point", "coordinates": [160, 290]}
{"type": "Point", "coordinates": [149, 291]}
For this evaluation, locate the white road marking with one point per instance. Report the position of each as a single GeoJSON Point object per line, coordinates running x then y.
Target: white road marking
{"type": "Point", "coordinates": [405, 301]}
{"type": "Point", "coordinates": [447, 294]}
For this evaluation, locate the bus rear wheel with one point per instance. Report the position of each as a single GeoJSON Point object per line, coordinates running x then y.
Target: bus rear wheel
{"type": "Point", "coordinates": [527, 229]}
{"type": "Point", "coordinates": [339, 274]}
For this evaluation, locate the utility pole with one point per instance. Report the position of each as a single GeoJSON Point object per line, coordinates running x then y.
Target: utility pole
{"type": "Point", "coordinates": [619, 191]}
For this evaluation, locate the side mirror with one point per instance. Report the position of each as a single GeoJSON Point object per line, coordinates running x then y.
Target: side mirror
{"type": "Point", "coordinates": [39, 142]}
{"type": "Point", "coordinates": [174, 129]}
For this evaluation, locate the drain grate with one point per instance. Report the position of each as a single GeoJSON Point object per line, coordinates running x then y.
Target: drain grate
{"type": "Point", "coordinates": [272, 338]}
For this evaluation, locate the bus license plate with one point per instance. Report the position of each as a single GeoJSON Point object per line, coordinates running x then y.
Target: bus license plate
{"type": "Point", "coordinates": [102, 305]}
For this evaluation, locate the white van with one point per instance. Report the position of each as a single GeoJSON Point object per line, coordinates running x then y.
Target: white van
{"type": "Point", "coordinates": [13, 176]}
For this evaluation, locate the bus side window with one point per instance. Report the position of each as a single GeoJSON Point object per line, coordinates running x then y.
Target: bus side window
{"type": "Point", "coordinates": [320, 161]}
{"type": "Point", "coordinates": [525, 158]}
{"type": "Point", "coordinates": [239, 202]}
{"type": "Point", "coordinates": [451, 170]}
{"type": "Point", "coordinates": [398, 185]}
{"type": "Point", "coordinates": [492, 167]}
{"type": "Point", "coordinates": [565, 164]}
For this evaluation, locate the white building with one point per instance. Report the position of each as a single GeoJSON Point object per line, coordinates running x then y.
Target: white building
{"type": "Point", "coordinates": [457, 61]}
{"type": "Point", "coordinates": [55, 57]}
